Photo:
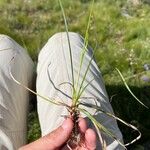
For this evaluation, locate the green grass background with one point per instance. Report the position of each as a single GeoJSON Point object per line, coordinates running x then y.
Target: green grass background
{"type": "Point", "coordinates": [120, 31]}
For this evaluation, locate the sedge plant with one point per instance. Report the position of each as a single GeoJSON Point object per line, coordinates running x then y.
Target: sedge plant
{"type": "Point", "coordinates": [78, 87]}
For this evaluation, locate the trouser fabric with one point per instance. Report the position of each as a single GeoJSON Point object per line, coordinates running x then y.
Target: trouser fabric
{"type": "Point", "coordinates": [54, 81]}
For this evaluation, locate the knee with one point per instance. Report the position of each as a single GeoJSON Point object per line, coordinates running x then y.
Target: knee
{"type": "Point", "coordinates": [4, 36]}
{"type": "Point", "coordinates": [10, 49]}
{"type": "Point", "coordinates": [63, 35]}
{"type": "Point", "coordinates": [6, 42]}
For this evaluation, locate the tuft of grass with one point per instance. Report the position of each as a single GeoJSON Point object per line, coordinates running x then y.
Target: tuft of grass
{"type": "Point", "coordinates": [34, 131]}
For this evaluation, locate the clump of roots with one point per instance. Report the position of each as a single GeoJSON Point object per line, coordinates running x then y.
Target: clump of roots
{"type": "Point", "coordinates": [76, 136]}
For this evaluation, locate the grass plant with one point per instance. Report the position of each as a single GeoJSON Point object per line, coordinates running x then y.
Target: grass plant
{"type": "Point", "coordinates": [74, 109]}
{"type": "Point", "coordinates": [123, 42]}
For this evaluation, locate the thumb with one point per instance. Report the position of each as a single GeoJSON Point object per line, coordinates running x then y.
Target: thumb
{"type": "Point", "coordinates": [53, 140]}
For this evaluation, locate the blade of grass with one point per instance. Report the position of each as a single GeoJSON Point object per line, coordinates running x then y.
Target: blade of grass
{"type": "Point", "coordinates": [103, 143]}
{"type": "Point", "coordinates": [117, 118]}
{"type": "Point", "coordinates": [81, 92]}
{"type": "Point", "coordinates": [70, 51]}
{"type": "Point", "coordinates": [5, 49]}
{"type": "Point", "coordinates": [100, 126]}
{"type": "Point", "coordinates": [126, 85]}
{"type": "Point", "coordinates": [85, 43]}
{"type": "Point", "coordinates": [48, 73]}
{"type": "Point", "coordinates": [84, 77]}
{"type": "Point", "coordinates": [25, 87]}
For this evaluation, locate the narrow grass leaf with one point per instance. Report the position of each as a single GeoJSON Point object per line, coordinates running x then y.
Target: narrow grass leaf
{"type": "Point", "coordinates": [5, 49]}
{"type": "Point", "coordinates": [126, 85]}
{"type": "Point", "coordinates": [85, 42]}
{"type": "Point", "coordinates": [43, 97]}
{"type": "Point", "coordinates": [100, 126]}
{"type": "Point", "coordinates": [84, 77]}
{"type": "Point", "coordinates": [117, 118]}
{"type": "Point", "coordinates": [84, 88]}
{"type": "Point", "coordinates": [70, 51]}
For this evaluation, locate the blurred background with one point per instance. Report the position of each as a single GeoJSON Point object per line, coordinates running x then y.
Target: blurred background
{"type": "Point", "coordinates": [120, 33]}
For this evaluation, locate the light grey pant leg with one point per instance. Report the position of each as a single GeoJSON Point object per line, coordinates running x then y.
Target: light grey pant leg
{"type": "Point", "coordinates": [13, 98]}
{"type": "Point", "coordinates": [54, 69]}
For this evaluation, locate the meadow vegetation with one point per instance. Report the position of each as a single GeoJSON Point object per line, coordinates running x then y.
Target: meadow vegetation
{"type": "Point", "coordinates": [120, 31]}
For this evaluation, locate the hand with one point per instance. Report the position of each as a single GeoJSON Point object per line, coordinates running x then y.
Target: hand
{"type": "Point", "coordinates": [56, 139]}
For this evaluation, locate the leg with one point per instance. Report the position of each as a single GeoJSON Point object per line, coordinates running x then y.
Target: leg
{"type": "Point", "coordinates": [13, 98]}
{"type": "Point", "coordinates": [54, 60]}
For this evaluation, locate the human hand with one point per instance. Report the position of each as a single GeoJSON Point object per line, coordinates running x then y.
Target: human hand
{"type": "Point", "coordinates": [56, 140]}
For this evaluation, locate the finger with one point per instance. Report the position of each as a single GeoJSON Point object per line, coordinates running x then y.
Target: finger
{"type": "Point", "coordinates": [54, 139]}
{"type": "Point", "coordinates": [82, 125]}
{"type": "Point", "coordinates": [90, 139]}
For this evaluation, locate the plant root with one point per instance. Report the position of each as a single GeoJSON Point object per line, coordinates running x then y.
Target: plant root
{"type": "Point", "coordinates": [76, 137]}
